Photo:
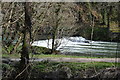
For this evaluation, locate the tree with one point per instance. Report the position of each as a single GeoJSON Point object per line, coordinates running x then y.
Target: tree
{"type": "Point", "coordinates": [11, 26]}
{"type": "Point", "coordinates": [24, 63]}
{"type": "Point", "coordinates": [55, 28]}
{"type": "Point", "coordinates": [16, 27]}
{"type": "Point", "coordinates": [58, 21]}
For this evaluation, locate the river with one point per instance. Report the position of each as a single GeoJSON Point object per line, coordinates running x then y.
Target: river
{"type": "Point", "coordinates": [81, 46]}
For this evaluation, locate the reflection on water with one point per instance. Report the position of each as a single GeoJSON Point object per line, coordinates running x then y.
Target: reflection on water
{"type": "Point", "coordinates": [79, 45]}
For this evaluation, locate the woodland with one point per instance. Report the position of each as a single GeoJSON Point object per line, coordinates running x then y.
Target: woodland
{"type": "Point", "coordinates": [23, 23]}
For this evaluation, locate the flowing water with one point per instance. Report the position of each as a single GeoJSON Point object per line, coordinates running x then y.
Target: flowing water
{"type": "Point", "coordinates": [81, 46]}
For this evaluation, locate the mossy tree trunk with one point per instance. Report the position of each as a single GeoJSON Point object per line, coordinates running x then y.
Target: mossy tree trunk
{"type": "Point", "coordinates": [24, 63]}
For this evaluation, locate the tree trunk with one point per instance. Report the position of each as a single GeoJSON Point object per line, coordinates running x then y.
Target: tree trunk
{"type": "Point", "coordinates": [53, 42]}
{"type": "Point", "coordinates": [104, 17]}
{"type": "Point", "coordinates": [55, 29]}
{"type": "Point", "coordinates": [108, 22]}
{"type": "Point", "coordinates": [24, 63]}
{"type": "Point", "coordinates": [118, 37]}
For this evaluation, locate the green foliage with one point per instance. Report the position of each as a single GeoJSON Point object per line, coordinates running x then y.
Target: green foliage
{"type": "Point", "coordinates": [41, 50]}
{"type": "Point", "coordinates": [87, 32]}
{"type": "Point", "coordinates": [10, 49]}
{"type": "Point", "coordinates": [101, 33]}
{"type": "Point", "coordinates": [5, 66]}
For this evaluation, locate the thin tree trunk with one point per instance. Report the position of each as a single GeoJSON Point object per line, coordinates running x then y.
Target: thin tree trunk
{"type": "Point", "coordinates": [108, 22]}
{"type": "Point", "coordinates": [55, 30]}
{"type": "Point", "coordinates": [118, 38]}
{"type": "Point", "coordinates": [53, 42]}
{"type": "Point", "coordinates": [53, 38]}
{"type": "Point", "coordinates": [104, 17]}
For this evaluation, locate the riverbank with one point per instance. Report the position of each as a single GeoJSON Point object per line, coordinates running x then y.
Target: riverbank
{"type": "Point", "coordinates": [64, 70]}
{"type": "Point", "coordinates": [66, 67]}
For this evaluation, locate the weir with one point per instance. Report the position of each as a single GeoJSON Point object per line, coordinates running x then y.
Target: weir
{"type": "Point", "coordinates": [79, 45]}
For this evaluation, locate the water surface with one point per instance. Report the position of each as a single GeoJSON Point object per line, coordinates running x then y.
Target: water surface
{"type": "Point", "coordinates": [81, 46]}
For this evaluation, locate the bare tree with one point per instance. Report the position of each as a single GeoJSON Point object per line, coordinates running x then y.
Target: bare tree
{"type": "Point", "coordinates": [59, 21]}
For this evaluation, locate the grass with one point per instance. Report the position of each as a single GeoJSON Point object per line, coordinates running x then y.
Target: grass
{"type": "Point", "coordinates": [11, 55]}
{"type": "Point", "coordinates": [48, 56]}
{"type": "Point", "coordinates": [51, 66]}
{"type": "Point", "coordinates": [73, 68]}
{"type": "Point", "coordinates": [62, 55]}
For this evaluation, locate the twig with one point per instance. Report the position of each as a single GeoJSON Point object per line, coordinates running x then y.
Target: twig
{"type": "Point", "coordinates": [22, 71]}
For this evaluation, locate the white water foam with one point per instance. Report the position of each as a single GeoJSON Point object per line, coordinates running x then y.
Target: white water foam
{"type": "Point", "coordinates": [80, 45]}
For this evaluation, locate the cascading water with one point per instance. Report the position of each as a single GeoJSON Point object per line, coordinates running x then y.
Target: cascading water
{"type": "Point", "coordinates": [80, 45]}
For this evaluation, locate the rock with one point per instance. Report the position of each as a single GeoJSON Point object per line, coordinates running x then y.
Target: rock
{"type": "Point", "coordinates": [86, 41]}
